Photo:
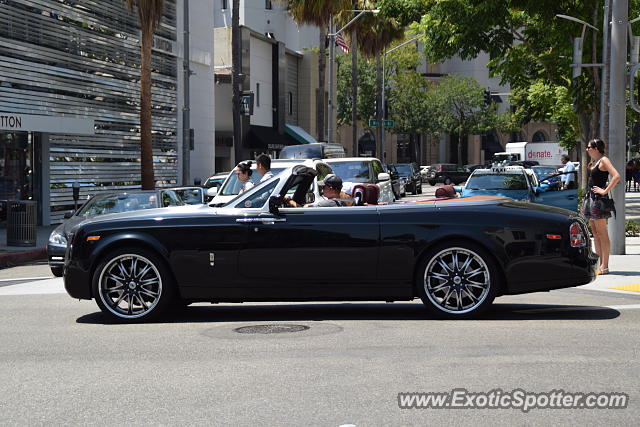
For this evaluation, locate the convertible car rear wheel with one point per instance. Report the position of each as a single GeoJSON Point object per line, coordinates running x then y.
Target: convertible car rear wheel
{"type": "Point", "coordinates": [132, 284]}
{"type": "Point", "coordinates": [457, 280]}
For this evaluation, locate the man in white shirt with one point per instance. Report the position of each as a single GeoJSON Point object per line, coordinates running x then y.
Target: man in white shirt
{"type": "Point", "coordinates": [568, 179]}
{"type": "Point", "coordinates": [263, 166]}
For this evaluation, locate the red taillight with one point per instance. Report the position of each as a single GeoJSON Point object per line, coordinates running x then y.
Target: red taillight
{"type": "Point", "coordinates": [576, 236]}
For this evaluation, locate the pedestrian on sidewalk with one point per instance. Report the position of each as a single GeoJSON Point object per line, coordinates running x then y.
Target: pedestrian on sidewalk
{"type": "Point", "coordinates": [597, 205]}
{"type": "Point", "coordinates": [636, 174]}
{"type": "Point", "coordinates": [628, 174]}
{"type": "Point", "coordinates": [569, 176]}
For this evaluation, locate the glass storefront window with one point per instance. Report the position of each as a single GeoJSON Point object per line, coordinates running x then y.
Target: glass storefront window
{"type": "Point", "coordinates": [16, 166]}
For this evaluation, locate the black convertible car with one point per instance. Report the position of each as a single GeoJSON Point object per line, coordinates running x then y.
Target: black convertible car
{"type": "Point", "coordinates": [457, 255]}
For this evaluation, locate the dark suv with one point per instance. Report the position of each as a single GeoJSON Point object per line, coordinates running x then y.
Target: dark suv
{"type": "Point", "coordinates": [447, 173]}
{"type": "Point", "coordinates": [411, 176]}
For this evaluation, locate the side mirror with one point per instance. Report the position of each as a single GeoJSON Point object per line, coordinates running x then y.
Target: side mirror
{"type": "Point", "coordinates": [274, 203]}
{"type": "Point", "coordinates": [310, 198]}
{"type": "Point", "coordinates": [212, 192]}
{"type": "Point", "coordinates": [458, 189]}
{"type": "Point", "coordinates": [382, 176]}
{"type": "Point", "coordinates": [68, 214]}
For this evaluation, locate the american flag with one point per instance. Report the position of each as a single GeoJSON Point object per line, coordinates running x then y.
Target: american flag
{"type": "Point", "coordinates": [342, 44]}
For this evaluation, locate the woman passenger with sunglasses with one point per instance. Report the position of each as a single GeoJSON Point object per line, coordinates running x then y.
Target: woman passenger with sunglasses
{"type": "Point", "coordinates": [594, 208]}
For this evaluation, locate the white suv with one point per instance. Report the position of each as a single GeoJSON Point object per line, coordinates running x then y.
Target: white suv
{"type": "Point", "coordinates": [363, 170]}
{"type": "Point", "coordinates": [231, 186]}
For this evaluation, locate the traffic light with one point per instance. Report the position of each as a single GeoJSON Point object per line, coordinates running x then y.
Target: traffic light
{"type": "Point", "coordinates": [487, 97]}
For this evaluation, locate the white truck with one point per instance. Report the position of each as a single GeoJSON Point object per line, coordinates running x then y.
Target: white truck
{"type": "Point", "coordinates": [545, 153]}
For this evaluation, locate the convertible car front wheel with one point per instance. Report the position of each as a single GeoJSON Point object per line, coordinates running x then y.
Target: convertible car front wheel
{"type": "Point", "coordinates": [132, 284]}
{"type": "Point", "coordinates": [457, 280]}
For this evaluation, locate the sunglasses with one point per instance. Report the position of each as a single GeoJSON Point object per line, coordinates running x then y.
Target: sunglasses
{"type": "Point", "coordinates": [589, 147]}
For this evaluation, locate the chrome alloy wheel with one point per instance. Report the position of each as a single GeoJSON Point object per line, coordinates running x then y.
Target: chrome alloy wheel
{"type": "Point", "coordinates": [130, 286]}
{"type": "Point", "coordinates": [457, 280]}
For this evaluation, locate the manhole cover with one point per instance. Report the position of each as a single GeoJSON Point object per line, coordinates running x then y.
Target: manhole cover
{"type": "Point", "coordinates": [270, 329]}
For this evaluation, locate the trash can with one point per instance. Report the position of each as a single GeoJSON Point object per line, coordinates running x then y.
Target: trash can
{"type": "Point", "coordinates": [22, 216]}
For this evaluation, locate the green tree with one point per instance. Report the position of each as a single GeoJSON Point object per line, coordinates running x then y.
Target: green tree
{"type": "Point", "coordinates": [149, 17]}
{"type": "Point", "coordinates": [527, 45]}
{"type": "Point", "coordinates": [462, 110]}
{"type": "Point", "coordinates": [366, 100]}
{"type": "Point", "coordinates": [375, 35]}
{"type": "Point", "coordinates": [410, 97]}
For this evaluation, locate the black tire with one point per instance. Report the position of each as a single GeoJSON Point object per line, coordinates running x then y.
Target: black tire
{"type": "Point", "coordinates": [432, 183]}
{"type": "Point", "coordinates": [447, 181]}
{"type": "Point", "coordinates": [57, 270]}
{"type": "Point", "coordinates": [440, 277]}
{"type": "Point", "coordinates": [419, 188]}
{"type": "Point", "coordinates": [146, 283]}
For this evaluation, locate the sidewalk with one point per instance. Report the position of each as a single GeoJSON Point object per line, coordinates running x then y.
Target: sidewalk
{"type": "Point", "coordinates": [12, 255]}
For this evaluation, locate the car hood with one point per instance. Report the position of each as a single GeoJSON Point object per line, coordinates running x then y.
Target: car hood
{"type": "Point", "coordinates": [174, 211]}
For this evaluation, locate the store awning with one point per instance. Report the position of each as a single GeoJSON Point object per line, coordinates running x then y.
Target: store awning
{"type": "Point", "coordinates": [299, 134]}
{"type": "Point", "coordinates": [267, 138]}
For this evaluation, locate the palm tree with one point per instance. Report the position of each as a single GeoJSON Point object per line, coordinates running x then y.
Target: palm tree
{"type": "Point", "coordinates": [149, 17]}
{"type": "Point", "coordinates": [318, 13]}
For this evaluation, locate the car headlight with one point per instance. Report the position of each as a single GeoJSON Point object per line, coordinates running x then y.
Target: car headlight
{"type": "Point", "coordinates": [57, 239]}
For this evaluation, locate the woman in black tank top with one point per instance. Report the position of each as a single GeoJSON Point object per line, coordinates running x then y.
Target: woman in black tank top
{"type": "Point", "coordinates": [594, 206]}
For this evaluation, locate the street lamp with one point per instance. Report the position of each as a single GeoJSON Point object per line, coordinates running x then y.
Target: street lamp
{"type": "Point", "coordinates": [332, 54]}
{"type": "Point", "coordinates": [384, 101]}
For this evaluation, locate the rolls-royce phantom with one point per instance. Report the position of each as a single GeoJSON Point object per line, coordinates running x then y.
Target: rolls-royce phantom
{"type": "Point", "coordinates": [456, 255]}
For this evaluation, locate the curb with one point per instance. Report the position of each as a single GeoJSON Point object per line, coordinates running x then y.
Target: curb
{"type": "Point", "coordinates": [14, 258]}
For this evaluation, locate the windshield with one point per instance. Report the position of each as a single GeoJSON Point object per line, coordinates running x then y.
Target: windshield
{"type": "Point", "coordinates": [543, 172]}
{"type": "Point", "coordinates": [233, 184]}
{"type": "Point", "coordinates": [352, 171]}
{"type": "Point", "coordinates": [404, 170]}
{"type": "Point", "coordinates": [494, 181]}
{"type": "Point", "coordinates": [190, 196]}
{"type": "Point", "coordinates": [114, 203]}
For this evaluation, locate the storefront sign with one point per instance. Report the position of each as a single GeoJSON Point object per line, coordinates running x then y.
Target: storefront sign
{"type": "Point", "coordinates": [50, 124]}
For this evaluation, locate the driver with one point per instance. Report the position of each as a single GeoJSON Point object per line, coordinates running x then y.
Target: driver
{"type": "Point", "coordinates": [332, 193]}
{"type": "Point", "coordinates": [333, 196]}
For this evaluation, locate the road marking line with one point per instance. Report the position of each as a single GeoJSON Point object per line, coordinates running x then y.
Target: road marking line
{"type": "Point", "coordinates": [41, 287]}
{"type": "Point", "coordinates": [635, 287]}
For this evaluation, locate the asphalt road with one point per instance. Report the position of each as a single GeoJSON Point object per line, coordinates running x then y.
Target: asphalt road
{"type": "Point", "coordinates": [63, 362]}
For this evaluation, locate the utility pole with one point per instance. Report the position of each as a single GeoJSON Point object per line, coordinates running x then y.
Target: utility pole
{"type": "Point", "coordinates": [617, 118]}
{"type": "Point", "coordinates": [236, 60]}
{"type": "Point", "coordinates": [332, 55]}
{"type": "Point", "coordinates": [186, 119]}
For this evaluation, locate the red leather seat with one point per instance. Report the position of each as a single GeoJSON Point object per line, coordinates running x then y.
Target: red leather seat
{"type": "Point", "coordinates": [365, 194]}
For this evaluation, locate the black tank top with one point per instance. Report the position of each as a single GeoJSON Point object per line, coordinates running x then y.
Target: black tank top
{"type": "Point", "coordinates": [598, 178]}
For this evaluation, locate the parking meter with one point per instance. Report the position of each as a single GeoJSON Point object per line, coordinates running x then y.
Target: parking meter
{"type": "Point", "coordinates": [76, 194]}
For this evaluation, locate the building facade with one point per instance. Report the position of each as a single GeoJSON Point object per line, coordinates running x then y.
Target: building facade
{"type": "Point", "coordinates": [69, 101]}
{"type": "Point", "coordinates": [278, 74]}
